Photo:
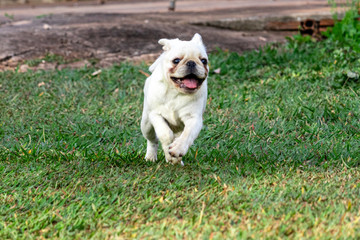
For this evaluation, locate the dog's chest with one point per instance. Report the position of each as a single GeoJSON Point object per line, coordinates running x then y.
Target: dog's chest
{"type": "Point", "coordinates": [171, 112]}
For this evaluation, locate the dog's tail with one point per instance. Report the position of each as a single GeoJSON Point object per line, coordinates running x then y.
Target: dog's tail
{"type": "Point", "coordinates": [156, 63]}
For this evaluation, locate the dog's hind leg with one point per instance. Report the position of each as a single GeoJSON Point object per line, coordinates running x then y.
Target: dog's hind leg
{"type": "Point", "coordinates": [151, 151]}
{"type": "Point", "coordinates": [152, 142]}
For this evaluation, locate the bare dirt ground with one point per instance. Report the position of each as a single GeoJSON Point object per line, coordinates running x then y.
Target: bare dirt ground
{"type": "Point", "coordinates": [104, 38]}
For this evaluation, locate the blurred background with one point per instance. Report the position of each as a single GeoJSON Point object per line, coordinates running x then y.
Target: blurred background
{"type": "Point", "coordinates": [53, 34]}
{"type": "Point", "coordinates": [36, 2]}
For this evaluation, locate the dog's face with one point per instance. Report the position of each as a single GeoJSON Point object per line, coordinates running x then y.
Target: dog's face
{"type": "Point", "coordinates": [185, 63]}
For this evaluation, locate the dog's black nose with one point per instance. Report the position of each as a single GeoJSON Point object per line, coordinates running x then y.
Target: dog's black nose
{"type": "Point", "coordinates": [191, 64]}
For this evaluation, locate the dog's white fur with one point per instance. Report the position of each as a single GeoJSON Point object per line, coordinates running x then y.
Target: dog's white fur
{"type": "Point", "coordinates": [172, 113]}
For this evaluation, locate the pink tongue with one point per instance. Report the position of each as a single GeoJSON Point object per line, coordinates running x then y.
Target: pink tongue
{"type": "Point", "coordinates": [190, 83]}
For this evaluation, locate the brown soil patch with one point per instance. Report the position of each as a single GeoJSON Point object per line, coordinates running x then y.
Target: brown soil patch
{"type": "Point", "coordinates": [104, 39]}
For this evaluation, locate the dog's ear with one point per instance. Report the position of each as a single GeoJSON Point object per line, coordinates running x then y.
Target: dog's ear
{"type": "Point", "coordinates": [197, 38]}
{"type": "Point", "coordinates": [167, 43]}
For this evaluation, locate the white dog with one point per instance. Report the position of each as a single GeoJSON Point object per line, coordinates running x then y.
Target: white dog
{"type": "Point", "coordinates": [175, 98]}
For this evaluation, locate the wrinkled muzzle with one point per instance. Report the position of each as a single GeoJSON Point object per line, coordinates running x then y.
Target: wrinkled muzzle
{"type": "Point", "coordinates": [190, 76]}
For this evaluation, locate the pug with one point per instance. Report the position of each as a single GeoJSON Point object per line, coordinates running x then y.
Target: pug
{"type": "Point", "coordinates": [175, 98]}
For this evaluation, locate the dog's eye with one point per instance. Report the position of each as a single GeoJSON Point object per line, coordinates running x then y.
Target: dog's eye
{"type": "Point", "coordinates": [176, 60]}
{"type": "Point", "coordinates": [204, 61]}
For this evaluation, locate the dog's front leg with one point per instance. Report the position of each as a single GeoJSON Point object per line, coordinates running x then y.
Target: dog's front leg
{"type": "Point", "coordinates": [181, 144]}
{"type": "Point", "coordinates": [164, 134]}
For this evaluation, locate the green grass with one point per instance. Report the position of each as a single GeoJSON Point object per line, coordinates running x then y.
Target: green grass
{"type": "Point", "coordinates": [278, 156]}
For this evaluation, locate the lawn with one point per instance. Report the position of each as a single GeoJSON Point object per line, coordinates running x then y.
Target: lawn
{"type": "Point", "coordinates": [278, 156]}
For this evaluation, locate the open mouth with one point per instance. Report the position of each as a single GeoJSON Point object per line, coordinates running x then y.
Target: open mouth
{"type": "Point", "coordinates": [189, 82]}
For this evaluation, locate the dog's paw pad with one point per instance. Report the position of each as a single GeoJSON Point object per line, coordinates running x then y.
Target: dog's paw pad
{"type": "Point", "coordinates": [175, 154]}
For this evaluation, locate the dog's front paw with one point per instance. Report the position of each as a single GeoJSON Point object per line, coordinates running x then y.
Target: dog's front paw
{"type": "Point", "coordinates": [173, 160]}
{"type": "Point", "coordinates": [178, 149]}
